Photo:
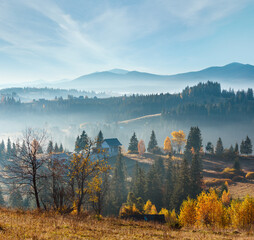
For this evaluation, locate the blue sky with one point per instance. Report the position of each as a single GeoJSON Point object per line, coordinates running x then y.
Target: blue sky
{"type": "Point", "coordinates": [53, 40]}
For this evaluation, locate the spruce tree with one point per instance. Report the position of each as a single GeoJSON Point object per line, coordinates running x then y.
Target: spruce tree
{"type": "Point", "coordinates": [61, 148]}
{"type": "Point", "coordinates": [194, 142]}
{"type": "Point", "coordinates": [138, 182]}
{"type": "Point", "coordinates": [209, 148]}
{"type": "Point", "coordinates": [182, 186]}
{"type": "Point", "coordinates": [248, 145]}
{"type": "Point", "coordinates": [236, 150]}
{"type": "Point", "coordinates": [50, 147]}
{"type": "Point", "coordinates": [13, 150]}
{"type": "Point", "coordinates": [56, 148]}
{"type": "Point", "coordinates": [81, 142]}
{"type": "Point", "coordinates": [242, 147]}
{"type": "Point", "coordinates": [99, 139]}
{"type": "Point", "coordinates": [236, 165]}
{"type": "Point", "coordinates": [160, 169]}
{"type": "Point", "coordinates": [118, 185]}
{"type": "Point", "coordinates": [195, 176]}
{"type": "Point", "coordinates": [219, 147]}
{"type": "Point", "coordinates": [168, 186]}
{"type": "Point", "coordinates": [152, 145]}
{"type": "Point", "coordinates": [153, 187]}
{"type": "Point", "coordinates": [133, 145]}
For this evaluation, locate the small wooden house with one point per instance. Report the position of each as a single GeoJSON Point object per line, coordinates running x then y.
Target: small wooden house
{"type": "Point", "coordinates": [111, 146]}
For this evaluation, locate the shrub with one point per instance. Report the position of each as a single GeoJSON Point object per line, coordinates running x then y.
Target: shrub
{"type": "Point", "coordinates": [172, 219]}
{"type": "Point", "coordinates": [225, 198]}
{"type": "Point", "coordinates": [242, 213]}
{"type": "Point", "coordinates": [250, 176]}
{"type": "Point", "coordinates": [209, 209]}
{"type": "Point", "coordinates": [129, 210]}
{"type": "Point", "coordinates": [187, 215]}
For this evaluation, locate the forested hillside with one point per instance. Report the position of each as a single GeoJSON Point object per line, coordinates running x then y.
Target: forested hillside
{"type": "Point", "coordinates": [203, 101]}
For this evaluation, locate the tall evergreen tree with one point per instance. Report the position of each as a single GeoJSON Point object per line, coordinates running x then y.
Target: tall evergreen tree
{"type": "Point", "coordinates": [133, 145]}
{"type": "Point", "coordinates": [195, 176]}
{"type": "Point", "coordinates": [99, 139]}
{"type": "Point", "coordinates": [152, 145]}
{"type": "Point", "coordinates": [182, 186]}
{"type": "Point", "coordinates": [209, 148]}
{"type": "Point", "coordinates": [248, 145]}
{"type": "Point", "coordinates": [61, 148]}
{"type": "Point", "coordinates": [138, 182]}
{"type": "Point", "coordinates": [160, 169]}
{"type": "Point", "coordinates": [154, 187]}
{"type": "Point", "coordinates": [219, 147]}
{"type": "Point", "coordinates": [118, 185]}
{"type": "Point", "coordinates": [50, 147]}
{"type": "Point", "coordinates": [194, 142]}
{"type": "Point", "coordinates": [168, 186]}
{"type": "Point", "coordinates": [236, 150]}
{"type": "Point", "coordinates": [81, 142]}
{"type": "Point", "coordinates": [56, 148]}
{"type": "Point", "coordinates": [236, 165]}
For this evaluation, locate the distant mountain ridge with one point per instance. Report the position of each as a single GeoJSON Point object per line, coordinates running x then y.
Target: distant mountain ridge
{"type": "Point", "coordinates": [234, 75]}
{"type": "Point", "coordinates": [120, 81]}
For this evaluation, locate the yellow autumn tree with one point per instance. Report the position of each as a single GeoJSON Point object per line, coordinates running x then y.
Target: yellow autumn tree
{"type": "Point", "coordinates": [225, 198]}
{"type": "Point", "coordinates": [84, 175]}
{"type": "Point", "coordinates": [141, 147]}
{"type": "Point", "coordinates": [209, 209]}
{"type": "Point", "coordinates": [167, 145]}
{"type": "Point", "coordinates": [187, 216]}
{"type": "Point", "coordinates": [242, 213]}
{"type": "Point", "coordinates": [178, 139]}
{"type": "Point", "coordinates": [148, 207]}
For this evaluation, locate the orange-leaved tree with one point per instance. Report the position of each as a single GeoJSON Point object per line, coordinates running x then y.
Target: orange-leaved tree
{"type": "Point", "coordinates": [141, 147]}
{"type": "Point", "coordinates": [167, 145]}
{"type": "Point", "coordinates": [178, 139]}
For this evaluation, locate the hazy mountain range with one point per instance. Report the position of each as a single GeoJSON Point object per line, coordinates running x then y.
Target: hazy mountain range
{"type": "Point", "coordinates": [234, 75]}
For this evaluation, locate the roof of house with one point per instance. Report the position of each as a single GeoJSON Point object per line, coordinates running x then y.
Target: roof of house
{"type": "Point", "coordinates": [112, 142]}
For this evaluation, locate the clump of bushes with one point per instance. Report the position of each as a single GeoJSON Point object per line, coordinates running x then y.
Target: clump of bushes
{"type": "Point", "coordinates": [215, 182]}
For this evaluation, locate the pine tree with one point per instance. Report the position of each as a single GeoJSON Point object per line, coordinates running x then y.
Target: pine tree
{"type": "Point", "coordinates": [242, 147]}
{"type": "Point", "coordinates": [152, 145]}
{"type": "Point", "coordinates": [236, 150]}
{"type": "Point", "coordinates": [133, 145]}
{"type": "Point", "coordinates": [160, 169]}
{"type": "Point", "coordinates": [81, 142]}
{"type": "Point", "coordinates": [182, 186]}
{"type": "Point", "coordinates": [248, 145]}
{"type": "Point", "coordinates": [169, 186]}
{"type": "Point", "coordinates": [194, 141]}
{"type": "Point", "coordinates": [209, 148]}
{"type": "Point", "coordinates": [195, 176]}
{"type": "Point", "coordinates": [99, 139]}
{"type": "Point", "coordinates": [56, 148]}
{"type": "Point", "coordinates": [236, 165]}
{"type": "Point", "coordinates": [138, 182]}
{"type": "Point", "coordinates": [153, 187]}
{"type": "Point", "coordinates": [219, 147]}
{"type": "Point", "coordinates": [15, 199]}
{"type": "Point", "coordinates": [13, 150]}
{"type": "Point", "coordinates": [118, 185]}
{"type": "Point", "coordinates": [61, 148]}
{"type": "Point", "coordinates": [50, 147]}
{"type": "Point", "coordinates": [2, 150]}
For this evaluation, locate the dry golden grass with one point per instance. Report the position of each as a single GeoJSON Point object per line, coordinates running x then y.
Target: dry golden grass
{"type": "Point", "coordinates": [33, 225]}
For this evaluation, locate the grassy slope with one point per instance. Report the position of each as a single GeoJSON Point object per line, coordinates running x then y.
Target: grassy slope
{"type": "Point", "coordinates": [212, 168]}
{"type": "Point", "coordinates": [26, 225]}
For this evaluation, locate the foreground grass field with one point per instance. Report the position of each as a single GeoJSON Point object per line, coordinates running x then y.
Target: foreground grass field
{"type": "Point", "coordinates": [33, 225]}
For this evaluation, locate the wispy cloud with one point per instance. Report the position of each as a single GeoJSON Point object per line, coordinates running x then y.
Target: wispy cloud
{"type": "Point", "coordinates": [45, 33]}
